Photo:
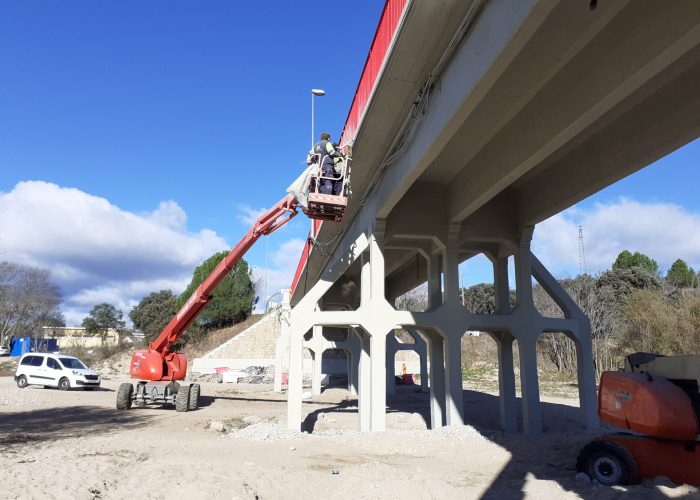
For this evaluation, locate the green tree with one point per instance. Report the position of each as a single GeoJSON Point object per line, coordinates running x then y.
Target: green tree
{"type": "Point", "coordinates": [480, 298]}
{"type": "Point", "coordinates": [153, 313]}
{"type": "Point", "coordinates": [616, 285]}
{"type": "Point", "coordinates": [628, 260]}
{"type": "Point", "coordinates": [102, 317]}
{"type": "Point", "coordinates": [681, 275]}
{"type": "Point", "coordinates": [232, 301]}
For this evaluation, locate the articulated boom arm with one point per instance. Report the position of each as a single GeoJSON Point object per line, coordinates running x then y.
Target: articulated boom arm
{"type": "Point", "coordinates": [266, 223]}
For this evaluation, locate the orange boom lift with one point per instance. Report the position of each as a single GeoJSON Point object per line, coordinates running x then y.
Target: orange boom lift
{"type": "Point", "coordinates": [656, 399]}
{"type": "Point", "coordinates": [159, 370]}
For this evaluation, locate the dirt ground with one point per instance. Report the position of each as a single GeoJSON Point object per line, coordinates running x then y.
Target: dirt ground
{"type": "Point", "coordinates": [75, 444]}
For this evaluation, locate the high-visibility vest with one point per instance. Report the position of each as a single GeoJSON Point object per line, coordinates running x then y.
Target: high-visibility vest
{"type": "Point", "coordinates": [324, 149]}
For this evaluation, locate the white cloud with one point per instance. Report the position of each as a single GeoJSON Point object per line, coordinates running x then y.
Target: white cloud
{"type": "Point", "coordinates": [96, 251]}
{"type": "Point", "coordinates": [250, 215]}
{"type": "Point", "coordinates": [284, 262]}
{"type": "Point", "coordinates": [663, 231]}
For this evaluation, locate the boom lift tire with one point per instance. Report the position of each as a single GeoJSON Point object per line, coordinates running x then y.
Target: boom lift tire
{"type": "Point", "coordinates": [194, 397]}
{"type": "Point", "coordinates": [607, 462]}
{"type": "Point", "coordinates": [182, 398]}
{"type": "Point", "coordinates": [124, 394]}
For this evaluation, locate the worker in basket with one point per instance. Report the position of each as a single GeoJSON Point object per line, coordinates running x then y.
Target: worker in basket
{"type": "Point", "coordinates": [327, 173]}
{"type": "Point", "coordinates": [330, 159]}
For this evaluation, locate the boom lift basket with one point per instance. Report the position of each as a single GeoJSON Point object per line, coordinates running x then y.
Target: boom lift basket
{"type": "Point", "coordinates": [328, 206]}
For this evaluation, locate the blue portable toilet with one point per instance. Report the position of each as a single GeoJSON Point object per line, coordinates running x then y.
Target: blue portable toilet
{"type": "Point", "coordinates": [45, 345]}
{"type": "Point", "coordinates": [27, 344]}
{"type": "Point", "coordinates": [20, 346]}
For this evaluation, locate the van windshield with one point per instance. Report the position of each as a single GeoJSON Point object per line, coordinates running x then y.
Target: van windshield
{"type": "Point", "coordinates": [72, 363]}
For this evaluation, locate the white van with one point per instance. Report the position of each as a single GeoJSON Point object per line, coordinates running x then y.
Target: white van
{"type": "Point", "coordinates": [55, 370]}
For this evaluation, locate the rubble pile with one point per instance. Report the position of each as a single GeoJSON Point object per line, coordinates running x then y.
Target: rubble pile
{"type": "Point", "coordinates": [215, 378]}
{"type": "Point", "coordinates": [250, 375]}
{"type": "Point", "coordinates": [259, 375]}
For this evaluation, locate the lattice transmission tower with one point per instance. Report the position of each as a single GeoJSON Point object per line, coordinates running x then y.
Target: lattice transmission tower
{"type": "Point", "coordinates": [581, 253]}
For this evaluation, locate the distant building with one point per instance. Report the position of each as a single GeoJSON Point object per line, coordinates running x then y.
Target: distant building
{"type": "Point", "coordinates": [77, 336]}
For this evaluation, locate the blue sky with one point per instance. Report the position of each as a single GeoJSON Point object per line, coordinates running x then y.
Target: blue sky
{"type": "Point", "coordinates": [136, 138]}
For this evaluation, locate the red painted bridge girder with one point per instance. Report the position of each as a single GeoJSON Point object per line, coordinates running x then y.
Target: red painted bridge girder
{"type": "Point", "coordinates": [378, 53]}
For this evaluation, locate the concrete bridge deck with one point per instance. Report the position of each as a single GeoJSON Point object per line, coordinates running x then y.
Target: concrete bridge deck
{"type": "Point", "coordinates": [488, 117]}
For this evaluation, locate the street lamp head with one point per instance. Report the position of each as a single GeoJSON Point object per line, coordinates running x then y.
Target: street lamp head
{"type": "Point", "coordinates": [318, 92]}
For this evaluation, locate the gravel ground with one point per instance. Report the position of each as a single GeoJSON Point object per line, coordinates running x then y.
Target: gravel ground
{"type": "Point", "coordinates": [76, 445]}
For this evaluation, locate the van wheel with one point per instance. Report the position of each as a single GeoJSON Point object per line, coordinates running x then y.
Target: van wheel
{"type": "Point", "coordinates": [64, 384]}
{"type": "Point", "coordinates": [21, 381]}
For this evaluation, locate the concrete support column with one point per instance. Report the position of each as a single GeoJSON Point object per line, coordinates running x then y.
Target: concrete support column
{"type": "Point", "coordinates": [422, 351]}
{"type": "Point", "coordinates": [354, 363]}
{"type": "Point", "coordinates": [377, 336]}
{"type": "Point", "coordinates": [280, 348]}
{"type": "Point", "coordinates": [303, 317]}
{"type": "Point", "coordinates": [437, 380]}
{"type": "Point", "coordinates": [586, 381]}
{"type": "Point", "coordinates": [391, 349]}
{"type": "Point", "coordinates": [296, 359]}
{"type": "Point", "coordinates": [317, 374]}
{"type": "Point", "coordinates": [452, 342]}
{"type": "Point", "coordinates": [450, 266]}
{"type": "Point", "coordinates": [504, 341]}
{"type": "Point", "coordinates": [349, 370]}
{"type": "Point", "coordinates": [364, 400]}
{"type": "Point", "coordinates": [365, 384]}
{"type": "Point", "coordinates": [424, 370]}
{"type": "Point", "coordinates": [434, 281]}
{"type": "Point", "coordinates": [378, 363]}
{"type": "Point", "coordinates": [436, 350]}
{"type": "Point", "coordinates": [317, 352]}
{"type": "Point", "coordinates": [523, 272]}
{"type": "Point", "coordinates": [527, 333]}
{"type": "Point", "coordinates": [579, 330]}
{"type": "Point", "coordinates": [501, 285]}
{"type": "Point", "coordinates": [453, 379]}
{"type": "Point", "coordinates": [354, 376]}
{"type": "Point", "coordinates": [376, 257]}
{"type": "Point", "coordinates": [529, 385]}
{"type": "Point", "coordinates": [506, 383]}
{"type": "Point", "coordinates": [282, 345]}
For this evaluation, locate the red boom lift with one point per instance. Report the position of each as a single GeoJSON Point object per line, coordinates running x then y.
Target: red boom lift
{"type": "Point", "coordinates": [159, 371]}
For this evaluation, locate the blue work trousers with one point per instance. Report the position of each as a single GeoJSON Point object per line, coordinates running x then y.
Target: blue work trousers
{"type": "Point", "coordinates": [328, 186]}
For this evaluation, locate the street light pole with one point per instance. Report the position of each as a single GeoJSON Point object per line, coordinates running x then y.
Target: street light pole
{"type": "Point", "coordinates": [314, 93]}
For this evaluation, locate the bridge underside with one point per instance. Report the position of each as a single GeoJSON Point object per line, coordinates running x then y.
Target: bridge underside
{"type": "Point", "coordinates": [537, 105]}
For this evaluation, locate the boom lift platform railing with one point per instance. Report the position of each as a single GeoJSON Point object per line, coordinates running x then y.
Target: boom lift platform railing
{"type": "Point", "coordinates": [329, 207]}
